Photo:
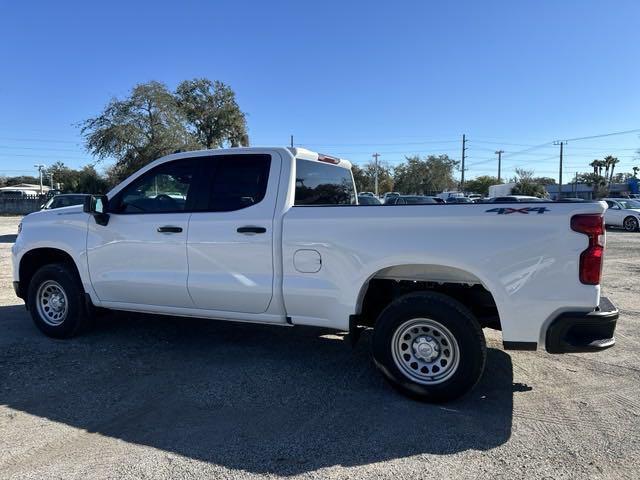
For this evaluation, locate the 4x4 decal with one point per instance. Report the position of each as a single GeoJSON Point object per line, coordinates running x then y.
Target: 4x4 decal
{"type": "Point", "coordinates": [525, 210]}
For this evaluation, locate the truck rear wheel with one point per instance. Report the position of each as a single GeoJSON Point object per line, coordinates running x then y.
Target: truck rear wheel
{"type": "Point", "coordinates": [56, 301]}
{"type": "Point", "coordinates": [429, 346]}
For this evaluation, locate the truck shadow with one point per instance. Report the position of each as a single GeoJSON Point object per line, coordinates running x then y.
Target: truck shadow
{"type": "Point", "coordinates": [9, 238]}
{"type": "Point", "coordinates": [262, 399]}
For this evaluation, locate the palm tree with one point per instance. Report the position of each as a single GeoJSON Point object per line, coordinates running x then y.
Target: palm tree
{"type": "Point", "coordinates": [607, 164]}
{"type": "Point", "coordinates": [595, 164]}
{"type": "Point", "coordinates": [611, 161]}
{"type": "Point", "coordinates": [635, 171]}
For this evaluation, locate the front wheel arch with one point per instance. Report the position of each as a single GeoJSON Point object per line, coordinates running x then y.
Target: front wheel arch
{"type": "Point", "coordinates": [34, 259]}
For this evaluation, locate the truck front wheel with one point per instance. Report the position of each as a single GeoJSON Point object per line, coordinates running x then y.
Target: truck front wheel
{"type": "Point", "coordinates": [56, 301]}
{"type": "Point", "coordinates": [429, 346]}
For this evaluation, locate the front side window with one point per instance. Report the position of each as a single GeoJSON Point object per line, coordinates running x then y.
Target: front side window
{"type": "Point", "coordinates": [323, 184]}
{"type": "Point", "coordinates": [165, 189]}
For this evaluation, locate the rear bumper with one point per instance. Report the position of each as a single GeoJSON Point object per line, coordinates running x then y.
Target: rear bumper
{"type": "Point", "coordinates": [583, 332]}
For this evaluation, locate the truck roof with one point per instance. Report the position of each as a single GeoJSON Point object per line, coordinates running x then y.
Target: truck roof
{"type": "Point", "coordinates": [297, 152]}
{"type": "Point", "coordinates": [305, 154]}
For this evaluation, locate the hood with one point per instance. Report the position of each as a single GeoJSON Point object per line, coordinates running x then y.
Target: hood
{"type": "Point", "coordinates": [42, 215]}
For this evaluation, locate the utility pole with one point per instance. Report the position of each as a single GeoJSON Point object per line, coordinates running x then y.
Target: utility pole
{"type": "Point", "coordinates": [40, 168]}
{"type": "Point", "coordinates": [464, 149]}
{"type": "Point", "coordinates": [375, 156]}
{"type": "Point", "coordinates": [561, 143]}
{"type": "Point", "coordinates": [291, 141]}
{"type": "Point", "coordinates": [499, 153]}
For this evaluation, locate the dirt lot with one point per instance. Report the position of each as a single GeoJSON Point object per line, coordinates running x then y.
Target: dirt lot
{"type": "Point", "coordinates": [145, 397]}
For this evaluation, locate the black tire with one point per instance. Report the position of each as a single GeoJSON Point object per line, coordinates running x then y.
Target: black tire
{"type": "Point", "coordinates": [630, 224]}
{"type": "Point", "coordinates": [441, 311]}
{"type": "Point", "coordinates": [76, 317]}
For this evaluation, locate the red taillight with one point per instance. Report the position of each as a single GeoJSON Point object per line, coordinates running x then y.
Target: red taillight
{"type": "Point", "coordinates": [591, 258]}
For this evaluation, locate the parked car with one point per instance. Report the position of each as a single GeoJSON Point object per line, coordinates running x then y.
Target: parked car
{"type": "Point", "coordinates": [64, 200]}
{"type": "Point", "coordinates": [368, 200]}
{"type": "Point", "coordinates": [475, 197]}
{"type": "Point", "coordinates": [449, 194]}
{"type": "Point", "coordinates": [459, 200]}
{"type": "Point", "coordinates": [367, 194]}
{"type": "Point", "coordinates": [515, 199]}
{"type": "Point", "coordinates": [437, 199]}
{"type": "Point", "coordinates": [410, 200]}
{"type": "Point", "coordinates": [271, 235]}
{"type": "Point", "coordinates": [623, 213]}
{"type": "Point", "coordinates": [389, 195]}
{"type": "Point", "coordinates": [571, 199]}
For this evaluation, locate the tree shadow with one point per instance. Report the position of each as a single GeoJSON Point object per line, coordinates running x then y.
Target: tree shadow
{"type": "Point", "coordinates": [258, 398]}
{"type": "Point", "coordinates": [10, 238]}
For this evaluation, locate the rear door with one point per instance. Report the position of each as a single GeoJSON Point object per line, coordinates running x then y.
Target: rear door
{"type": "Point", "coordinates": [230, 243]}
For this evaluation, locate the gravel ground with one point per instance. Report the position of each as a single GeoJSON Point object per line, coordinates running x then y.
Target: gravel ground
{"type": "Point", "coordinates": [154, 397]}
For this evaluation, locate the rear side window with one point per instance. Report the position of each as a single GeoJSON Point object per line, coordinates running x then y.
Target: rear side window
{"type": "Point", "coordinates": [237, 182]}
{"type": "Point", "coordinates": [323, 184]}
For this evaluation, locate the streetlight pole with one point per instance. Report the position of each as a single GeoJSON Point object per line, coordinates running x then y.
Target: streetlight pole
{"type": "Point", "coordinates": [499, 153]}
{"type": "Point", "coordinates": [375, 156]}
{"type": "Point", "coordinates": [40, 168]}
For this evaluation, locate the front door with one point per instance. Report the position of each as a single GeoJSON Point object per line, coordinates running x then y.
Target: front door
{"type": "Point", "coordinates": [613, 215]}
{"type": "Point", "coordinates": [140, 256]}
{"type": "Point", "coordinates": [230, 244]}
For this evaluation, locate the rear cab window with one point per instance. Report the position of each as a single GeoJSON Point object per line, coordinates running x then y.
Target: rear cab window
{"type": "Point", "coordinates": [319, 184]}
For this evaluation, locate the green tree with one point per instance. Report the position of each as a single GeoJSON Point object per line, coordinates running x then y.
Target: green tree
{"type": "Point", "coordinates": [10, 181]}
{"type": "Point", "coordinates": [429, 176]}
{"type": "Point", "coordinates": [365, 177]}
{"type": "Point", "coordinates": [138, 129]}
{"type": "Point", "coordinates": [621, 177]}
{"type": "Point", "coordinates": [526, 184]}
{"type": "Point", "coordinates": [212, 113]}
{"type": "Point", "coordinates": [596, 181]}
{"type": "Point", "coordinates": [481, 184]}
{"type": "Point", "coordinates": [85, 180]}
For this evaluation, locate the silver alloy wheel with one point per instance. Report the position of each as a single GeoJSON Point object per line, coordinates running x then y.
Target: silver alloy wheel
{"type": "Point", "coordinates": [425, 351]}
{"type": "Point", "coordinates": [52, 304]}
{"type": "Point", "coordinates": [630, 224]}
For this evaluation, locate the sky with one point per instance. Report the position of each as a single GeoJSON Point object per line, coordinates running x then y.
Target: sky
{"type": "Point", "coordinates": [348, 78]}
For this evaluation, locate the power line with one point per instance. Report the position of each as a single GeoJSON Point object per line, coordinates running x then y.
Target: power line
{"type": "Point", "coordinates": [39, 140]}
{"type": "Point", "coordinates": [320, 144]}
{"type": "Point", "coordinates": [625, 132]}
{"type": "Point", "coordinates": [40, 148]}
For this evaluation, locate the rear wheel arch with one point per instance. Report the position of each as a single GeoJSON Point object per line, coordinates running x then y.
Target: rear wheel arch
{"type": "Point", "coordinates": [389, 283]}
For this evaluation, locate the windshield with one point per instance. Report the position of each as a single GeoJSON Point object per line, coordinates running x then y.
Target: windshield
{"type": "Point", "coordinates": [629, 203]}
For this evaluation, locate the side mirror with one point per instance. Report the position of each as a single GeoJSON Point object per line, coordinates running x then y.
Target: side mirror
{"type": "Point", "coordinates": [97, 205]}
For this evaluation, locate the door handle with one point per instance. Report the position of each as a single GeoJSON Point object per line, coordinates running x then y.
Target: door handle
{"type": "Point", "coordinates": [251, 229]}
{"type": "Point", "coordinates": [169, 229]}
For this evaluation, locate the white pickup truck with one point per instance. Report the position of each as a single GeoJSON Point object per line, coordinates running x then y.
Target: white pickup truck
{"type": "Point", "coordinates": [275, 235]}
